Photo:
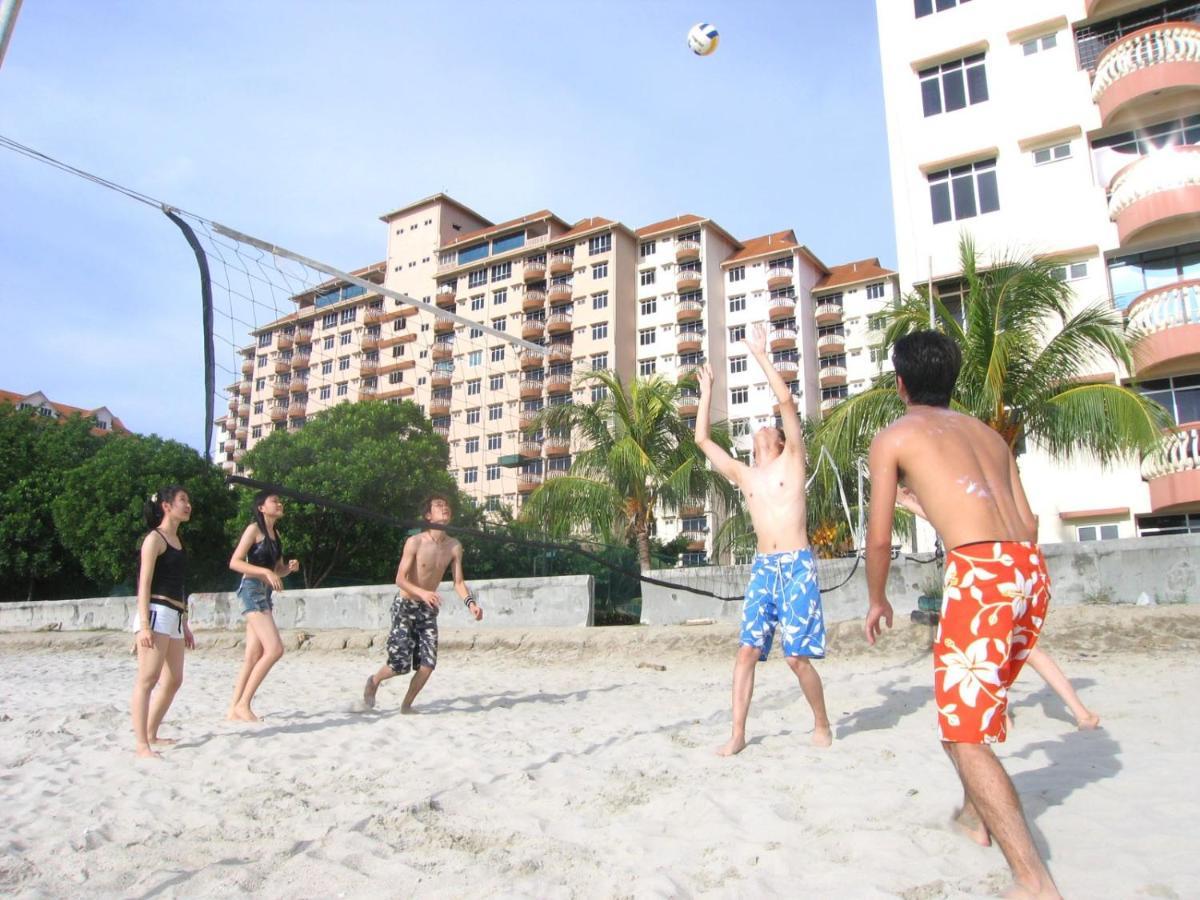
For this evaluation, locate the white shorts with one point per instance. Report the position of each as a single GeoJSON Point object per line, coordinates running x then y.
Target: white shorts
{"type": "Point", "coordinates": [163, 620]}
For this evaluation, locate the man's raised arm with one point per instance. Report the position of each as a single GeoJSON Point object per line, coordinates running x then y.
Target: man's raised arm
{"type": "Point", "coordinates": [793, 433]}
{"type": "Point", "coordinates": [721, 461]}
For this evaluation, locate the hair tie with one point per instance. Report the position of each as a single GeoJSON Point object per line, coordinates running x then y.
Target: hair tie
{"type": "Point", "coordinates": [154, 497]}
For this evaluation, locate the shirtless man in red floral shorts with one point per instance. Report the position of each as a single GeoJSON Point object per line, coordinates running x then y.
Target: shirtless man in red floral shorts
{"type": "Point", "coordinates": [996, 590]}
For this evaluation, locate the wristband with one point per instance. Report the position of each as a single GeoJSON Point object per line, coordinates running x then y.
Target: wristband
{"type": "Point", "coordinates": [469, 599]}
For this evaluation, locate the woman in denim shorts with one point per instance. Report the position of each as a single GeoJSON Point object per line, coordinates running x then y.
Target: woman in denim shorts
{"type": "Point", "coordinates": [259, 559]}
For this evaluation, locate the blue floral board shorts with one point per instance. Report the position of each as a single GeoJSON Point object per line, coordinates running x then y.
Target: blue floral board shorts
{"type": "Point", "coordinates": [783, 591]}
{"type": "Point", "coordinates": [255, 596]}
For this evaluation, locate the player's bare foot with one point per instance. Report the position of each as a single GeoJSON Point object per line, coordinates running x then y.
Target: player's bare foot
{"type": "Point", "coordinates": [822, 736]}
{"type": "Point", "coordinates": [369, 692]}
{"type": "Point", "coordinates": [407, 710]}
{"type": "Point", "coordinates": [970, 825]}
{"type": "Point", "coordinates": [163, 742]}
{"type": "Point", "coordinates": [1088, 722]}
{"type": "Point", "coordinates": [145, 751]}
{"type": "Point", "coordinates": [241, 714]}
{"type": "Point", "coordinates": [1020, 892]}
{"type": "Point", "coordinates": [733, 747]}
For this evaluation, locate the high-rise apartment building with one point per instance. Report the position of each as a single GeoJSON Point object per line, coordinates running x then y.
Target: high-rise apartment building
{"type": "Point", "coordinates": [1068, 130]}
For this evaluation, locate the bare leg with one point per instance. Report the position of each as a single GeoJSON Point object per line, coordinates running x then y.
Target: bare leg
{"type": "Point", "coordinates": [810, 683]}
{"type": "Point", "coordinates": [414, 687]}
{"type": "Point", "coordinates": [967, 818]}
{"type": "Point", "coordinates": [253, 653]}
{"type": "Point", "coordinates": [263, 624]}
{"type": "Point", "coordinates": [150, 663]}
{"type": "Point", "coordinates": [373, 682]}
{"type": "Point", "coordinates": [743, 690]}
{"type": "Point", "coordinates": [994, 799]}
{"type": "Point", "coordinates": [168, 685]}
{"type": "Point", "coordinates": [1045, 666]}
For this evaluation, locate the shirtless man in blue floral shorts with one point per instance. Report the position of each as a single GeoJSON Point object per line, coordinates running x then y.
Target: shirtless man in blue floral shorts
{"type": "Point", "coordinates": [783, 579]}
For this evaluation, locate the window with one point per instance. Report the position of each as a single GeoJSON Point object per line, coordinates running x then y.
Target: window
{"type": "Point", "coordinates": [495, 382]}
{"type": "Point", "coordinates": [1037, 45]}
{"type": "Point", "coordinates": [495, 412]}
{"type": "Point", "coordinates": [502, 271]}
{"type": "Point", "coordinates": [599, 362]}
{"type": "Point", "coordinates": [877, 322]}
{"type": "Point", "coordinates": [737, 273]}
{"type": "Point", "coordinates": [601, 243]}
{"type": "Point", "coordinates": [694, 558]}
{"type": "Point", "coordinates": [694, 524]}
{"type": "Point", "coordinates": [953, 85]}
{"type": "Point", "coordinates": [1134, 275]}
{"type": "Point", "coordinates": [400, 324]}
{"type": "Point", "coordinates": [1072, 272]}
{"type": "Point", "coordinates": [1052, 154]}
{"type": "Point", "coordinates": [345, 338]}
{"type": "Point", "coordinates": [474, 386]}
{"type": "Point", "coordinates": [738, 303]}
{"type": "Point", "coordinates": [497, 354]}
{"type": "Point", "coordinates": [478, 278]}
{"type": "Point", "coordinates": [964, 191]}
{"type": "Point", "coordinates": [474, 358]}
{"type": "Point", "coordinates": [343, 363]}
{"type": "Point", "coordinates": [600, 331]}
{"type": "Point", "coordinates": [739, 428]}
{"type": "Point", "coordinates": [878, 355]}
{"type": "Point", "coordinates": [476, 333]}
{"type": "Point", "coordinates": [477, 303]}
{"type": "Point", "coordinates": [599, 392]}
{"type": "Point", "coordinates": [470, 476]}
{"type": "Point", "coordinates": [648, 307]}
{"type": "Point", "coordinates": [739, 395]}
{"type": "Point", "coordinates": [875, 291]}
{"type": "Point", "coordinates": [646, 277]}
{"type": "Point", "coordinates": [348, 316]}
{"type": "Point", "coordinates": [1096, 533]}
{"type": "Point", "coordinates": [737, 364]}
{"type": "Point", "coordinates": [324, 393]}
{"type": "Point", "coordinates": [600, 301]}
{"type": "Point", "coordinates": [1182, 523]}
{"type": "Point", "coordinates": [493, 472]}
{"type": "Point", "coordinates": [494, 441]}
{"type": "Point", "coordinates": [343, 389]}
{"type": "Point", "coordinates": [258, 408]}
{"type": "Point", "coordinates": [398, 351]}
{"type": "Point", "coordinates": [925, 7]}
{"type": "Point", "coordinates": [600, 270]}
{"type": "Point", "coordinates": [1180, 396]}
{"type": "Point", "coordinates": [329, 320]}
{"type": "Point", "coordinates": [327, 367]}
{"type": "Point", "coordinates": [647, 367]}
{"type": "Point", "coordinates": [260, 384]}
{"type": "Point", "coordinates": [500, 324]}
{"type": "Point", "coordinates": [327, 342]}
{"type": "Point", "coordinates": [395, 377]}
{"type": "Point", "coordinates": [256, 431]}
{"type": "Point", "coordinates": [645, 337]}
{"type": "Point", "coordinates": [647, 249]}
{"type": "Point", "coordinates": [499, 297]}
{"type": "Point", "coordinates": [737, 333]}
{"type": "Point", "coordinates": [471, 445]}
{"type": "Point", "coordinates": [473, 416]}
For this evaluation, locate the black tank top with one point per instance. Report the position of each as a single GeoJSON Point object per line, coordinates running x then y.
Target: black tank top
{"type": "Point", "coordinates": [169, 573]}
{"type": "Point", "coordinates": [266, 553]}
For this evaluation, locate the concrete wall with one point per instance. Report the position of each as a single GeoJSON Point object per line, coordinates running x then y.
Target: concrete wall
{"type": "Point", "coordinates": [564, 601]}
{"type": "Point", "coordinates": [1165, 569]}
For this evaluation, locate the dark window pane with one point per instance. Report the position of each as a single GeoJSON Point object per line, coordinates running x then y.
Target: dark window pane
{"type": "Point", "coordinates": [954, 89]}
{"type": "Point", "coordinates": [989, 194]}
{"type": "Point", "coordinates": [977, 84]}
{"type": "Point", "coordinates": [964, 197]}
{"type": "Point", "coordinates": [1187, 406]}
{"type": "Point", "coordinates": [945, 4]}
{"type": "Point", "coordinates": [939, 196]}
{"type": "Point", "coordinates": [1187, 381]}
{"type": "Point", "coordinates": [922, 7]}
{"type": "Point", "coordinates": [931, 96]}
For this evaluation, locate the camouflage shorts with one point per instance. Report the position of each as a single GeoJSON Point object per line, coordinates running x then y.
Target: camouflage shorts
{"type": "Point", "coordinates": [413, 640]}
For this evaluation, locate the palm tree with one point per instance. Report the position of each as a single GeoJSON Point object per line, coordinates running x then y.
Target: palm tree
{"type": "Point", "coordinates": [1026, 358]}
{"type": "Point", "coordinates": [639, 457]}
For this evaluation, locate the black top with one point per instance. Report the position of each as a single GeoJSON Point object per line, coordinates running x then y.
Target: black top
{"type": "Point", "coordinates": [266, 553]}
{"type": "Point", "coordinates": [169, 573]}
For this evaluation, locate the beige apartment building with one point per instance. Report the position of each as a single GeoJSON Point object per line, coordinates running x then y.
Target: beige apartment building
{"type": "Point", "coordinates": [1068, 130]}
{"type": "Point", "coordinates": [509, 315]}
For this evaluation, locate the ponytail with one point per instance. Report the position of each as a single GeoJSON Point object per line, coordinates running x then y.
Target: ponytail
{"type": "Point", "coordinates": [256, 506]}
{"type": "Point", "coordinates": [152, 509]}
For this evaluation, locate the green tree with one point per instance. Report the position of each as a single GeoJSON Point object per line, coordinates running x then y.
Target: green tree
{"type": "Point", "coordinates": [383, 457]}
{"type": "Point", "coordinates": [638, 457]}
{"type": "Point", "coordinates": [1026, 357]}
{"type": "Point", "coordinates": [35, 453]}
{"type": "Point", "coordinates": [98, 511]}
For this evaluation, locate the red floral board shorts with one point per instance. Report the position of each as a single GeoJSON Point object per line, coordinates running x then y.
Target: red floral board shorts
{"type": "Point", "coordinates": [994, 602]}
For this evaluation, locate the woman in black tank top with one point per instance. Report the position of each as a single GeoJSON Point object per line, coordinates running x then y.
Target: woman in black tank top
{"type": "Point", "coordinates": [162, 626]}
{"type": "Point", "coordinates": [259, 559]}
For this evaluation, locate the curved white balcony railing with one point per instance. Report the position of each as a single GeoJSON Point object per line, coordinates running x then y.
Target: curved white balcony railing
{"type": "Point", "coordinates": [1166, 307]}
{"type": "Point", "coordinates": [831, 340]}
{"type": "Point", "coordinates": [782, 334]}
{"type": "Point", "coordinates": [830, 403]}
{"type": "Point", "coordinates": [833, 371]}
{"type": "Point", "coordinates": [1152, 46]}
{"type": "Point", "coordinates": [828, 309]}
{"type": "Point", "coordinates": [686, 247]}
{"type": "Point", "coordinates": [779, 272]}
{"type": "Point", "coordinates": [787, 367]}
{"type": "Point", "coordinates": [1165, 170]}
{"type": "Point", "coordinates": [782, 303]}
{"type": "Point", "coordinates": [1180, 452]}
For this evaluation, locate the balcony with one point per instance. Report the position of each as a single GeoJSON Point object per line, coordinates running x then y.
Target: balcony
{"type": "Point", "coordinates": [304, 335]}
{"type": "Point", "coordinates": [687, 250]}
{"type": "Point", "coordinates": [689, 341]}
{"type": "Point", "coordinates": [787, 368]}
{"type": "Point", "coordinates": [558, 323]}
{"type": "Point", "coordinates": [531, 359]}
{"type": "Point", "coordinates": [239, 454]}
{"type": "Point", "coordinates": [284, 341]}
{"type": "Point", "coordinates": [1165, 326]}
{"type": "Point", "coordinates": [368, 368]}
{"type": "Point", "coordinates": [279, 389]}
{"type": "Point", "coordinates": [794, 391]}
{"type": "Point", "coordinates": [244, 410]}
{"type": "Point", "coordinates": [828, 313]}
{"type": "Point", "coordinates": [439, 406]}
{"type": "Point", "coordinates": [367, 392]}
{"type": "Point", "coordinates": [372, 315]}
{"type": "Point", "coordinates": [248, 367]}
{"type": "Point", "coordinates": [832, 376]}
{"type": "Point", "coordinates": [1173, 472]}
{"type": "Point", "coordinates": [533, 270]}
{"type": "Point", "coordinates": [370, 342]}
{"type": "Point", "coordinates": [531, 388]}
{"type": "Point", "coordinates": [782, 339]}
{"type": "Point", "coordinates": [443, 326]}
{"type": "Point", "coordinates": [441, 375]}
{"type": "Point", "coordinates": [296, 409]}
{"type": "Point", "coordinates": [395, 392]}
{"type": "Point", "coordinates": [446, 295]}
{"type": "Point", "coordinates": [244, 388]}
{"type": "Point", "coordinates": [686, 371]}
{"type": "Point", "coordinates": [1161, 189]}
{"type": "Point", "coordinates": [689, 311]}
{"type": "Point", "coordinates": [687, 405]}
{"type": "Point", "coordinates": [561, 292]}
{"type": "Point", "coordinates": [778, 277]}
{"type": "Point", "coordinates": [530, 449]}
{"type": "Point", "coordinates": [692, 507]}
{"type": "Point", "coordinates": [558, 384]}
{"type": "Point", "coordinates": [830, 344]}
{"type": "Point", "coordinates": [278, 413]}
{"type": "Point", "coordinates": [299, 385]}
{"type": "Point", "coordinates": [229, 423]}
{"type": "Point", "coordinates": [556, 473]}
{"type": "Point", "coordinates": [442, 431]}
{"type": "Point", "coordinates": [281, 365]}
{"type": "Point", "coordinates": [442, 350]}
{"type": "Point", "coordinates": [241, 432]}
{"type": "Point", "coordinates": [687, 280]}
{"type": "Point", "coordinates": [830, 403]}
{"type": "Point", "coordinates": [1142, 68]}
{"type": "Point", "coordinates": [695, 539]}
{"type": "Point", "coordinates": [528, 418]}
{"type": "Point", "coordinates": [301, 360]}
{"type": "Point", "coordinates": [533, 301]}
{"type": "Point", "coordinates": [528, 482]}
{"type": "Point", "coordinates": [560, 351]}
{"type": "Point", "coordinates": [781, 308]}
{"type": "Point", "coordinates": [532, 329]}
{"type": "Point", "coordinates": [562, 264]}
{"type": "Point", "coordinates": [230, 446]}
{"type": "Point", "coordinates": [557, 446]}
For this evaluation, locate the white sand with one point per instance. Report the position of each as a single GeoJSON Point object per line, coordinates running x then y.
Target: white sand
{"type": "Point", "coordinates": [561, 769]}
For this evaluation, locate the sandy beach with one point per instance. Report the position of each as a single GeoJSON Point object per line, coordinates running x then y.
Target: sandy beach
{"type": "Point", "coordinates": [549, 764]}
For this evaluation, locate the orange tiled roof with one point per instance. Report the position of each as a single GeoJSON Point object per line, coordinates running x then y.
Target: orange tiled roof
{"type": "Point", "coordinates": [63, 409]}
{"type": "Point", "coordinates": [492, 229]}
{"type": "Point", "coordinates": [668, 224]}
{"type": "Point", "coordinates": [761, 246]}
{"type": "Point", "coordinates": [585, 225]}
{"type": "Point", "coordinates": [852, 273]}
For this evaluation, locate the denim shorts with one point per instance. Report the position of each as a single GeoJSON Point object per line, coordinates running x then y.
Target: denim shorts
{"type": "Point", "coordinates": [255, 596]}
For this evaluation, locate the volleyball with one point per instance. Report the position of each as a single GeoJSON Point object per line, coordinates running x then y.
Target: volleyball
{"type": "Point", "coordinates": [703, 39]}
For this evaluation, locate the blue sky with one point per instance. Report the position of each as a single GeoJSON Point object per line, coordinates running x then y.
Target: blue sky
{"type": "Point", "coordinates": [301, 122]}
